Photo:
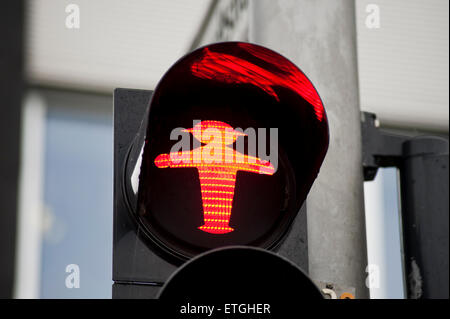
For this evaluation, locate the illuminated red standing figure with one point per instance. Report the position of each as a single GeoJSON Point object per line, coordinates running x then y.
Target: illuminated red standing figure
{"type": "Point", "coordinates": [217, 165]}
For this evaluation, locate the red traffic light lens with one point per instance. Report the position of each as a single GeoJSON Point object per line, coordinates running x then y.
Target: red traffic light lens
{"type": "Point", "coordinates": [214, 194]}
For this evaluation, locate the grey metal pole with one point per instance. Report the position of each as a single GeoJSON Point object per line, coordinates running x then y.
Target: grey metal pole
{"type": "Point", "coordinates": [320, 37]}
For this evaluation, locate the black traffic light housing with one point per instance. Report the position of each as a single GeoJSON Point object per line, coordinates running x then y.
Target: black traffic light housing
{"type": "Point", "coordinates": [139, 270]}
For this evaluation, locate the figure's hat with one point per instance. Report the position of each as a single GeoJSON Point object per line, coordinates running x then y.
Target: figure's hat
{"type": "Point", "coordinates": [203, 130]}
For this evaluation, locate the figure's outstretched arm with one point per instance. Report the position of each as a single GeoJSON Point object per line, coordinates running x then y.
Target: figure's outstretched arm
{"type": "Point", "coordinates": [265, 167]}
{"type": "Point", "coordinates": [180, 159]}
{"type": "Point", "coordinates": [256, 165]}
{"type": "Point", "coordinates": [162, 161]}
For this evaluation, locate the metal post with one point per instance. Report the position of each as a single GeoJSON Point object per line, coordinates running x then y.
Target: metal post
{"type": "Point", "coordinates": [320, 37]}
{"type": "Point", "coordinates": [11, 87]}
{"type": "Point", "coordinates": [423, 164]}
{"type": "Point", "coordinates": [424, 191]}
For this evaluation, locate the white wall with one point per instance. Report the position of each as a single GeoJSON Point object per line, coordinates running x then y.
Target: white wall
{"type": "Point", "coordinates": [403, 65]}
{"type": "Point", "coordinates": [118, 44]}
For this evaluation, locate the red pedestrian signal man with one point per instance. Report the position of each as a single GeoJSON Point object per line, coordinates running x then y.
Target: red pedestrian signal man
{"type": "Point", "coordinates": [217, 164]}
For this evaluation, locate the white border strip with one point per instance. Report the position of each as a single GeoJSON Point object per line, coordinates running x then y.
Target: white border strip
{"type": "Point", "coordinates": [30, 199]}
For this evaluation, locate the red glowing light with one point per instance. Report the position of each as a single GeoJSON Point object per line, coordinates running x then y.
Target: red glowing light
{"type": "Point", "coordinates": [231, 69]}
{"type": "Point", "coordinates": [217, 173]}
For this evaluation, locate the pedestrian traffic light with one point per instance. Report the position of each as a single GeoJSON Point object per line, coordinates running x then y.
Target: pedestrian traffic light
{"type": "Point", "coordinates": [227, 150]}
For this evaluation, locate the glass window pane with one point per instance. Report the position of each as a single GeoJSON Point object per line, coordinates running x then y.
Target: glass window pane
{"type": "Point", "coordinates": [78, 199]}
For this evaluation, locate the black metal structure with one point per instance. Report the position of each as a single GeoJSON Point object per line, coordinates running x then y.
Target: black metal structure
{"type": "Point", "coordinates": [139, 270]}
{"type": "Point", "coordinates": [11, 89]}
{"type": "Point", "coordinates": [423, 164]}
